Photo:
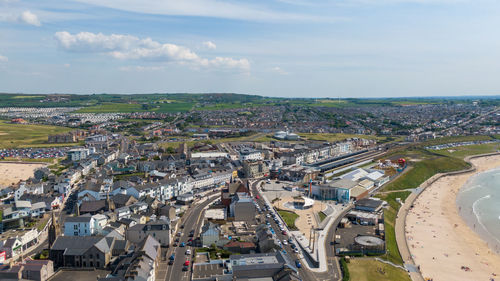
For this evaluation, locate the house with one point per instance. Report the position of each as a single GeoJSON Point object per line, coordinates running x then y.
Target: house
{"type": "Point", "coordinates": [122, 200]}
{"type": "Point", "coordinates": [86, 251]}
{"type": "Point", "coordinates": [242, 208]}
{"type": "Point", "coordinates": [210, 233]}
{"type": "Point", "coordinates": [159, 230]}
{"type": "Point", "coordinates": [79, 226]}
{"type": "Point", "coordinates": [240, 247]}
{"type": "Point", "coordinates": [167, 211]}
{"type": "Point", "coordinates": [100, 222]}
{"type": "Point", "coordinates": [93, 207]}
{"type": "Point", "coordinates": [39, 270]}
{"type": "Point", "coordinates": [12, 247]}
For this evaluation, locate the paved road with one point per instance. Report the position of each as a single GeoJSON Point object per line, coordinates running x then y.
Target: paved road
{"type": "Point", "coordinates": [192, 219]}
{"type": "Point", "coordinates": [333, 272]}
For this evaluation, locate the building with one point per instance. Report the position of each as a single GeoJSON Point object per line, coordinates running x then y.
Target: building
{"type": "Point", "coordinates": [79, 226]}
{"type": "Point", "coordinates": [255, 169]}
{"type": "Point", "coordinates": [249, 154]}
{"type": "Point", "coordinates": [369, 205]}
{"type": "Point", "coordinates": [242, 208]}
{"type": "Point", "coordinates": [159, 230]}
{"type": "Point", "coordinates": [339, 190]}
{"type": "Point", "coordinates": [281, 135]}
{"type": "Point", "coordinates": [38, 270]}
{"type": "Point", "coordinates": [86, 252]}
{"type": "Point", "coordinates": [77, 154]}
{"type": "Point", "coordinates": [62, 138]}
{"type": "Point", "coordinates": [210, 234]}
{"type": "Point", "coordinates": [259, 265]}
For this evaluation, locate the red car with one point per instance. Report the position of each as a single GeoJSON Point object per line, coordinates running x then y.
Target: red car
{"type": "Point", "coordinates": [283, 232]}
{"type": "Point", "coordinates": [257, 197]}
{"type": "Point", "coordinates": [186, 263]}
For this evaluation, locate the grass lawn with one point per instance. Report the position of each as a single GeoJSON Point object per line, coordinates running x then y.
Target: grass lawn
{"type": "Point", "coordinates": [289, 218]}
{"type": "Point", "coordinates": [20, 135]}
{"type": "Point", "coordinates": [389, 224]}
{"type": "Point", "coordinates": [34, 160]}
{"type": "Point", "coordinates": [372, 270]}
{"type": "Point", "coordinates": [425, 169]}
{"type": "Point", "coordinates": [335, 137]}
{"type": "Point", "coordinates": [455, 139]}
{"type": "Point", "coordinates": [462, 151]}
{"type": "Point", "coordinates": [322, 216]}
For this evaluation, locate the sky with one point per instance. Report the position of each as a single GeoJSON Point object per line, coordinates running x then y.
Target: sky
{"type": "Point", "coordinates": [285, 48]}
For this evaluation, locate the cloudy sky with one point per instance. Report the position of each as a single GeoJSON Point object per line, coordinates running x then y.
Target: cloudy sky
{"type": "Point", "coordinates": [291, 48]}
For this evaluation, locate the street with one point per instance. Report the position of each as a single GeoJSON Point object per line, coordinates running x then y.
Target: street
{"type": "Point", "coordinates": [191, 221]}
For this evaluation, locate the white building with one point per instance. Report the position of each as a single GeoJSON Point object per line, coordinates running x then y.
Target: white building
{"type": "Point", "coordinates": [79, 226]}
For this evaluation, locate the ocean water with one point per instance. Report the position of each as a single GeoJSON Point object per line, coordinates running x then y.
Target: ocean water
{"type": "Point", "coordinates": [478, 203]}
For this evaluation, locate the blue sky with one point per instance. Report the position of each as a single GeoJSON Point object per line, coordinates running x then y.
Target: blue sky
{"type": "Point", "coordinates": [289, 48]}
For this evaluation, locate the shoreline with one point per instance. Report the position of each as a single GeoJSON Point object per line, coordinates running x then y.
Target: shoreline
{"type": "Point", "coordinates": [469, 215]}
{"type": "Point", "coordinates": [456, 252]}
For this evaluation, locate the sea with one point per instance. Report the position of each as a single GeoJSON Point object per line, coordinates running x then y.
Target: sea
{"type": "Point", "coordinates": [478, 203]}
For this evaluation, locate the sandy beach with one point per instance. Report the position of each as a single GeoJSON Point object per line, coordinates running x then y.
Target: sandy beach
{"type": "Point", "coordinates": [440, 241]}
{"type": "Point", "coordinates": [13, 172]}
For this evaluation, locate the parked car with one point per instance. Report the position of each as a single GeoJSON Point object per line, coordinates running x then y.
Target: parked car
{"type": "Point", "coordinates": [298, 264]}
{"type": "Point", "coordinates": [183, 244]}
{"type": "Point", "coordinates": [172, 257]}
{"type": "Point", "coordinates": [188, 252]}
{"type": "Point", "coordinates": [185, 268]}
{"type": "Point", "coordinates": [186, 263]}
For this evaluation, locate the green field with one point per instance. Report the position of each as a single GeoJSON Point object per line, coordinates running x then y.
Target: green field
{"type": "Point", "coordinates": [424, 169]}
{"type": "Point", "coordinates": [373, 270]}
{"type": "Point", "coordinates": [136, 107]}
{"type": "Point", "coordinates": [289, 218]}
{"type": "Point", "coordinates": [335, 137]}
{"type": "Point", "coordinates": [462, 151]}
{"type": "Point", "coordinates": [20, 135]}
{"type": "Point", "coordinates": [390, 214]}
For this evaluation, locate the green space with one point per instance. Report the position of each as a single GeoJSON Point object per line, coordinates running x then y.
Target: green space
{"type": "Point", "coordinates": [322, 216]}
{"type": "Point", "coordinates": [463, 151]}
{"type": "Point", "coordinates": [426, 166]}
{"type": "Point", "coordinates": [136, 107]}
{"type": "Point", "coordinates": [392, 254]}
{"type": "Point", "coordinates": [335, 137]}
{"type": "Point", "coordinates": [289, 218]}
{"type": "Point", "coordinates": [372, 270]}
{"type": "Point", "coordinates": [37, 160]}
{"type": "Point", "coordinates": [214, 252]}
{"type": "Point", "coordinates": [444, 140]}
{"type": "Point", "coordinates": [23, 135]}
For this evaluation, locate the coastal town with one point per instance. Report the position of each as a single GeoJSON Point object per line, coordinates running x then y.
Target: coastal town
{"type": "Point", "coordinates": [275, 192]}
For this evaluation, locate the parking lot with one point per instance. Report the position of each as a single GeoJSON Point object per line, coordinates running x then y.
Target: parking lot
{"type": "Point", "coordinates": [345, 236]}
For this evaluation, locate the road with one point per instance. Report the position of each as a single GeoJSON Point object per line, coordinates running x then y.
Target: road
{"type": "Point", "coordinates": [191, 220]}
{"type": "Point", "coordinates": [333, 272]}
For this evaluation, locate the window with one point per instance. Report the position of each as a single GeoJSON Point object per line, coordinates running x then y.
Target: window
{"type": "Point", "coordinates": [75, 233]}
{"type": "Point", "coordinates": [90, 255]}
{"type": "Point", "coordinates": [84, 264]}
{"type": "Point", "coordinates": [98, 264]}
{"type": "Point", "coordinates": [91, 264]}
{"type": "Point", "coordinates": [75, 226]}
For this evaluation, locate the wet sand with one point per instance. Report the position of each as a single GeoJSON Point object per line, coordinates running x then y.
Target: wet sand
{"type": "Point", "coordinates": [440, 241]}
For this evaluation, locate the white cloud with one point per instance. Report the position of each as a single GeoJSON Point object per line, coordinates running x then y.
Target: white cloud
{"type": "Point", "coordinates": [141, 68]}
{"type": "Point", "coordinates": [127, 47]}
{"type": "Point", "coordinates": [3, 59]}
{"type": "Point", "coordinates": [205, 8]}
{"type": "Point", "coordinates": [210, 45]}
{"type": "Point", "coordinates": [29, 18]}
{"type": "Point", "coordinates": [279, 70]}
{"type": "Point", "coordinates": [67, 65]}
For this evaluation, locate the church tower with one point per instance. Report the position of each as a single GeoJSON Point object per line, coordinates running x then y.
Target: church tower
{"type": "Point", "coordinates": [54, 230]}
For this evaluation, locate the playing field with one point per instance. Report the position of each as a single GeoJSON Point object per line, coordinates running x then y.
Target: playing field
{"type": "Point", "coordinates": [20, 135]}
